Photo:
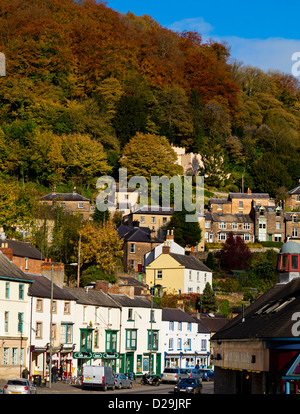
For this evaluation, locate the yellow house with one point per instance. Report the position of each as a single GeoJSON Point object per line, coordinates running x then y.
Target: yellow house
{"type": "Point", "coordinates": [178, 273]}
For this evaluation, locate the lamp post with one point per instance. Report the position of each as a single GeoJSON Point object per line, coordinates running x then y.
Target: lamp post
{"type": "Point", "coordinates": [50, 338]}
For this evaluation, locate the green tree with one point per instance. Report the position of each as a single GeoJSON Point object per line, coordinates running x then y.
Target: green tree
{"type": "Point", "coordinates": [208, 300]}
{"type": "Point", "coordinates": [186, 234]}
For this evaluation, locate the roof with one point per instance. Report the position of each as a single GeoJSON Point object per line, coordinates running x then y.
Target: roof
{"type": "Point", "coordinates": [250, 196]}
{"type": "Point", "coordinates": [270, 316]}
{"type": "Point", "coordinates": [190, 262]}
{"type": "Point", "coordinates": [92, 297]}
{"type": "Point", "coordinates": [8, 270]}
{"type": "Point", "coordinates": [208, 323]}
{"type": "Point", "coordinates": [137, 234]}
{"type": "Point", "coordinates": [175, 314]}
{"type": "Point", "coordinates": [289, 216]}
{"type": "Point", "coordinates": [41, 287]}
{"type": "Point", "coordinates": [219, 201]}
{"type": "Point", "coordinates": [135, 302]}
{"type": "Point", "coordinates": [231, 218]}
{"type": "Point", "coordinates": [295, 190]}
{"type": "Point", "coordinates": [64, 197]}
{"type": "Point", "coordinates": [23, 249]}
{"type": "Point", "coordinates": [290, 247]}
{"type": "Point", "coordinates": [154, 210]}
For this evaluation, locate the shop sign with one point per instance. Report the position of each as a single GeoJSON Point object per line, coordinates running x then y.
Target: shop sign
{"type": "Point", "coordinates": [96, 355]}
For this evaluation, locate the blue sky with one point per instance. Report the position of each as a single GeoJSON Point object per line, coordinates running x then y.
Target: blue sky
{"type": "Point", "coordinates": [261, 33]}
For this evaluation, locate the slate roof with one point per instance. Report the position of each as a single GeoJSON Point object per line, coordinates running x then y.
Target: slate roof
{"type": "Point", "coordinates": [295, 190]}
{"type": "Point", "coordinates": [92, 297]}
{"type": "Point", "coordinates": [289, 216]}
{"type": "Point", "coordinates": [190, 262]}
{"type": "Point", "coordinates": [231, 218]}
{"type": "Point", "coordinates": [246, 195]}
{"type": "Point", "coordinates": [154, 210]}
{"type": "Point", "coordinates": [270, 316]}
{"type": "Point", "coordinates": [64, 197]}
{"type": "Point", "coordinates": [137, 234]}
{"type": "Point", "coordinates": [135, 302]}
{"type": "Point", "coordinates": [23, 249]}
{"type": "Point", "coordinates": [210, 324]}
{"type": "Point", "coordinates": [219, 201]}
{"type": "Point", "coordinates": [175, 314]}
{"type": "Point", "coordinates": [8, 270]}
{"type": "Point", "coordinates": [41, 287]}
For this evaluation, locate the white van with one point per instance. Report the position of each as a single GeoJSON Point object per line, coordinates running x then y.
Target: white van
{"type": "Point", "coordinates": [98, 376]}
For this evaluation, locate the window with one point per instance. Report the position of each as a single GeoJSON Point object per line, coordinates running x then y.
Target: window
{"type": "Point", "coordinates": [21, 291]}
{"type": "Point", "coordinates": [86, 340]}
{"type": "Point", "coordinates": [66, 333]}
{"type": "Point", "coordinates": [5, 356]}
{"type": "Point", "coordinates": [66, 308]}
{"type": "Point", "coordinates": [20, 322]}
{"type": "Point", "coordinates": [234, 226]}
{"type": "Point", "coordinates": [131, 339]}
{"type": "Point", "coordinates": [277, 237]}
{"type": "Point", "coordinates": [39, 305]}
{"type": "Point", "coordinates": [38, 330]}
{"type": "Point", "coordinates": [171, 343]}
{"type": "Point", "coordinates": [294, 232]}
{"type": "Point", "coordinates": [278, 225]}
{"type": "Point", "coordinates": [222, 225]}
{"type": "Point", "coordinates": [262, 225]}
{"type": "Point", "coordinates": [6, 314]}
{"type": "Point", "coordinates": [7, 286]}
{"type": "Point", "coordinates": [132, 247]}
{"type": "Point", "coordinates": [142, 219]}
{"type": "Point", "coordinates": [130, 314]}
{"type": "Point", "coordinates": [171, 326]}
{"type": "Point", "coordinates": [189, 326]}
{"type": "Point", "coordinates": [96, 339]}
{"type": "Point", "coordinates": [203, 344]}
{"type": "Point", "coordinates": [165, 219]}
{"type": "Point", "coordinates": [84, 308]}
{"type": "Point", "coordinates": [26, 263]}
{"type": "Point", "coordinates": [198, 276]}
{"type": "Point", "coordinates": [188, 344]}
{"type": "Point", "coordinates": [294, 219]}
{"type": "Point", "coordinates": [53, 332]}
{"type": "Point", "coordinates": [222, 236]}
{"type": "Point", "coordinates": [179, 344]}
{"type": "Point", "coordinates": [159, 274]}
{"type": "Point", "coordinates": [190, 275]}
{"type": "Point", "coordinates": [80, 205]}
{"type": "Point", "coordinates": [261, 211]}
{"type": "Point", "coordinates": [294, 262]}
{"type": "Point", "coordinates": [152, 220]}
{"type": "Point", "coordinates": [63, 205]}
{"type": "Point", "coordinates": [240, 205]}
{"type": "Point", "coordinates": [207, 224]}
{"type": "Point", "coordinates": [152, 315]}
{"type": "Point", "coordinates": [247, 237]}
{"type": "Point", "coordinates": [179, 326]}
{"type": "Point", "coordinates": [246, 226]}
{"type": "Point", "coordinates": [54, 306]}
{"type": "Point", "coordinates": [152, 340]}
{"type": "Point", "coordinates": [111, 341]}
{"type": "Point", "coordinates": [132, 264]}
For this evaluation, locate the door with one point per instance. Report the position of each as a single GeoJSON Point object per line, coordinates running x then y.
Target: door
{"type": "Point", "coordinates": [129, 362]}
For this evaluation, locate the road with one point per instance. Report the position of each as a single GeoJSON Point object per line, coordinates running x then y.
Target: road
{"type": "Point", "coordinates": [163, 389]}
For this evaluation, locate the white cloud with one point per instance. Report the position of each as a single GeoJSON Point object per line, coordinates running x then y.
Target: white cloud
{"type": "Point", "coordinates": [194, 24]}
{"type": "Point", "coordinates": [267, 54]}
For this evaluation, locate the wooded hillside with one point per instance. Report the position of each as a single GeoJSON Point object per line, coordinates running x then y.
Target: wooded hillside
{"type": "Point", "coordinates": [82, 79]}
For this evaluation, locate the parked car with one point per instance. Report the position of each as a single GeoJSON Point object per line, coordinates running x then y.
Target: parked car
{"type": "Point", "coordinates": [19, 386]}
{"type": "Point", "coordinates": [121, 381]}
{"type": "Point", "coordinates": [174, 374]}
{"type": "Point", "coordinates": [189, 385]}
{"type": "Point", "coordinates": [207, 374]}
{"type": "Point", "coordinates": [195, 373]}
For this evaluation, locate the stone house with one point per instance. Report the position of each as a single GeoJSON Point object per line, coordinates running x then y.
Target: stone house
{"type": "Point", "coordinates": [154, 217]}
{"type": "Point", "coordinates": [269, 223]}
{"type": "Point", "coordinates": [293, 198]}
{"type": "Point", "coordinates": [137, 242]}
{"type": "Point", "coordinates": [71, 203]}
{"type": "Point", "coordinates": [24, 255]}
{"type": "Point", "coordinates": [292, 226]}
{"type": "Point", "coordinates": [218, 226]}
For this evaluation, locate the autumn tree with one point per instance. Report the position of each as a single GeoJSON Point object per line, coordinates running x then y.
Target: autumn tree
{"type": "Point", "coordinates": [235, 254]}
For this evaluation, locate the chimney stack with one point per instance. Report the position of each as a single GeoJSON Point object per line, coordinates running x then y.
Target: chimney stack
{"type": "Point", "coordinates": [7, 251]}
{"type": "Point", "coordinates": [170, 235]}
{"type": "Point", "coordinates": [58, 271]}
{"type": "Point", "coordinates": [249, 191]}
{"type": "Point", "coordinates": [54, 190]}
{"type": "Point", "coordinates": [166, 248]}
{"type": "Point", "coordinates": [102, 285]}
{"type": "Point", "coordinates": [74, 190]}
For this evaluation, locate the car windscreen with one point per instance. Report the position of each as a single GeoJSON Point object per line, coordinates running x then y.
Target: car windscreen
{"type": "Point", "coordinates": [16, 382]}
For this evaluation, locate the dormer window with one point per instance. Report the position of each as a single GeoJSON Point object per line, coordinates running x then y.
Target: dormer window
{"type": "Point", "coordinates": [295, 218]}
{"type": "Point", "coordinates": [261, 211]}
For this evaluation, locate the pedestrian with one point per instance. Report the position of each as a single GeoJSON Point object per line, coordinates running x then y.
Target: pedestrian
{"type": "Point", "coordinates": [54, 373]}
{"type": "Point", "coordinates": [61, 371]}
{"type": "Point", "coordinates": [25, 373]}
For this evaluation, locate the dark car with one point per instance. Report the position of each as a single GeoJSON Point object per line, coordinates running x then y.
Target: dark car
{"type": "Point", "coordinates": [189, 385]}
{"type": "Point", "coordinates": [207, 374]}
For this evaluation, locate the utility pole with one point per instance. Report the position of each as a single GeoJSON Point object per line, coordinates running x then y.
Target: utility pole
{"type": "Point", "coordinates": [51, 309]}
{"type": "Point", "coordinates": [78, 265]}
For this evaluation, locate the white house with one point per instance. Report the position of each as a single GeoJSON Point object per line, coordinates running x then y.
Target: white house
{"type": "Point", "coordinates": [14, 318]}
{"type": "Point", "coordinates": [184, 345]}
{"type": "Point", "coordinates": [62, 330]}
{"type": "Point", "coordinates": [96, 328]}
{"type": "Point", "coordinates": [140, 334]}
